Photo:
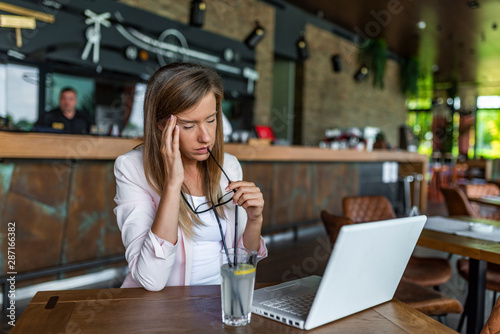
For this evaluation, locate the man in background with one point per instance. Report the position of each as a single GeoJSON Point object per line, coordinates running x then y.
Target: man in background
{"type": "Point", "coordinates": [65, 118]}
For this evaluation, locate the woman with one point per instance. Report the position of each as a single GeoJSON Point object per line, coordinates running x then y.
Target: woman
{"type": "Point", "coordinates": [169, 238]}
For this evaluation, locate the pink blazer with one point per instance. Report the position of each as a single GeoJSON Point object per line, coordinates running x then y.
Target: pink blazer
{"type": "Point", "coordinates": [153, 262]}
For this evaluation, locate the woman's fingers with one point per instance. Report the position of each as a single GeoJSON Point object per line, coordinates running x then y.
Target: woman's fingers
{"type": "Point", "coordinates": [234, 185]}
{"type": "Point", "coordinates": [171, 153]}
{"type": "Point", "coordinates": [246, 194]}
{"type": "Point", "coordinates": [175, 142]}
{"type": "Point", "coordinates": [168, 133]}
{"type": "Point", "coordinates": [250, 199]}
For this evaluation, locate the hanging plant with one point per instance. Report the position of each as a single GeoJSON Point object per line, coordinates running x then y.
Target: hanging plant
{"type": "Point", "coordinates": [374, 53]}
{"type": "Point", "coordinates": [409, 74]}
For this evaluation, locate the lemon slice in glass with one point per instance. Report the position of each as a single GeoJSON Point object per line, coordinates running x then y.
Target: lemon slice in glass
{"type": "Point", "coordinates": [244, 269]}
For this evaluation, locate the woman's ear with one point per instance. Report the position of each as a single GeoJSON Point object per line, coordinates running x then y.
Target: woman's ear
{"type": "Point", "coordinates": [160, 125]}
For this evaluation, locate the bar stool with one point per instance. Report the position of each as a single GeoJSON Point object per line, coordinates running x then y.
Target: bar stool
{"type": "Point", "coordinates": [407, 180]}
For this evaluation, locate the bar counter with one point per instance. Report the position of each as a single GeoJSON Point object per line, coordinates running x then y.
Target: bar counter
{"type": "Point", "coordinates": [59, 190]}
{"type": "Point", "coordinates": [60, 146]}
{"type": "Point", "coordinates": [256, 159]}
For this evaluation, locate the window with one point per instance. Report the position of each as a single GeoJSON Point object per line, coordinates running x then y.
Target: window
{"type": "Point", "coordinates": [135, 124]}
{"type": "Point", "coordinates": [19, 95]}
{"type": "Point", "coordinates": [420, 122]}
{"type": "Point", "coordinates": [488, 127]}
{"type": "Point", "coordinates": [488, 133]}
{"type": "Point", "coordinates": [85, 88]}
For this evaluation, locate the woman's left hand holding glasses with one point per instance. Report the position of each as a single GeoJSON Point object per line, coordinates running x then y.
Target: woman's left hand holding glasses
{"type": "Point", "coordinates": [249, 197]}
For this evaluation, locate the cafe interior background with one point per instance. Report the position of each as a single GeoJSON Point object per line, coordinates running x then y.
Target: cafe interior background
{"type": "Point", "coordinates": [413, 54]}
{"type": "Point", "coordinates": [423, 74]}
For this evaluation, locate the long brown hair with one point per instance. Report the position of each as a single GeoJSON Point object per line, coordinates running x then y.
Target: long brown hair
{"type": "Point", "coordinates": [171, 90]}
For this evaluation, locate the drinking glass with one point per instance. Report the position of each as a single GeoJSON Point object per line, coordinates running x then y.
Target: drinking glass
{"type": "Point", "coordinates": [238, 278]}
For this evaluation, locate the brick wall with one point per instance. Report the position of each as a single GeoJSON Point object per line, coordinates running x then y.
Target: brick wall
{"type": "Point", "coordinates": [331, 99]}
{"type": "Point", "coordinates": [335, 100]}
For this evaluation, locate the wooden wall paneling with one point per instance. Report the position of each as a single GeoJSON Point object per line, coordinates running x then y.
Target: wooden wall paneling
{"type": "Point", "coordinates": [39, 231]}
{"type": "Point", "coordinates": [291, 193]}
{"type": "Point", "coordinates": [90, 214]}
{"type": "Point", "coordinates": [261, 175]}
{"type": "Point", "coordinates": [113, 243]}
{"type": "Point", "coordinates": [6, 172]}
{"type": "Point", "coordinates": [44, 182]}
{"type": "Point", "coordinates": [35, 199]}
{"type": "Point", "coordinates": [333, 182]}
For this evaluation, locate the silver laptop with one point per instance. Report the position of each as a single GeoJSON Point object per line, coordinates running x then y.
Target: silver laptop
{"type": "Point", "coordinates": [364, 270]}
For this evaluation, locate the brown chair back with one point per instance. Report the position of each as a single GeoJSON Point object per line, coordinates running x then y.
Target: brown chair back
{"type": "Point", "coordinates": [480, 190]}
{"type": "Point", "coordinates": [492, 325]}
{"type": "Point", "coordinates": [333, 224]}
{"type": "Point", "coordinates": [362, 209]}
{"type": "Point", "coordinates": [457, 203]}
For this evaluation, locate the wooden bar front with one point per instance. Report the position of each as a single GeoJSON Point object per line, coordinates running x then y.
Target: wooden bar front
{"type": "Point", "coordinates": [59, 190]}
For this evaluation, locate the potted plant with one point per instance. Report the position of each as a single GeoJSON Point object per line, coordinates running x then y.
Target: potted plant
{"type": "Point", "coordinates": [373, 52]}
{"type": "Point", "coordinates": [409, 73]}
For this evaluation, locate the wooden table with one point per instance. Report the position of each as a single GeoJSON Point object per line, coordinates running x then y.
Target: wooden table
{"type": "Point", "coordinates": [493, 201]}
{"type": "Point", "coordinates": [195, 309]}
{"type": "Point", "coordinates": [480, 252]}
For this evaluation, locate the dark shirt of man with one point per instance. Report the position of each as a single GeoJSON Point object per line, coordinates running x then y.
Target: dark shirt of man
{"type": "Point", "coordinates": [56, 121]}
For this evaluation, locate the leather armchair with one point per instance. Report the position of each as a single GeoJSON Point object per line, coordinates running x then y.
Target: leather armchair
{"type": "Point", "coordinates": [426, 271]}
{"type": "Point", "coordinates": [492, 325]}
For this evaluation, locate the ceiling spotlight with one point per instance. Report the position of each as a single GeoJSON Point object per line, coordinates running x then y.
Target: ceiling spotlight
{"type": "Point", "coordinates": [255, 36]}
{"type": "Point", "coordinates": [302, 51]}
{"type": "Point", "coordinates": [198, 8]}
{"type": "Point", "coordinates": [361, 73]}
{"type": "Point", "coordinates": [473, 4]}
{"type": "Point", "coordinates": [421, 25]}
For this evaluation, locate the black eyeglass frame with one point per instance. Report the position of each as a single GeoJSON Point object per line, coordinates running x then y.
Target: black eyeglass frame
{"type": "Point", "coordinates": [212, 207]}
{"type": "Point", "coordinates": [211, 204]}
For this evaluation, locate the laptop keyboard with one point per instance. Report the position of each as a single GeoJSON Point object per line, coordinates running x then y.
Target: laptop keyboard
{"type": "Point", "coordinates": [298, 304]}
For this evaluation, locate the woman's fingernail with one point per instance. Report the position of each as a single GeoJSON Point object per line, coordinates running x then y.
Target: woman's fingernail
{"type": "Point", "coordinates": [227, 188]}
{"type": "Point", "coordinates": [171, 117]}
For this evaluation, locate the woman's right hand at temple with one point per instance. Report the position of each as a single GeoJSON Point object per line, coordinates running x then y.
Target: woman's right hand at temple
{"type": "Point", "coordinates": [171, 154]}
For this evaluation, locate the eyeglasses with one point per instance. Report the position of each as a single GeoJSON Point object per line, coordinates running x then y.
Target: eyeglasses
{"type": "Point", "coordinates": [209, 205]}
